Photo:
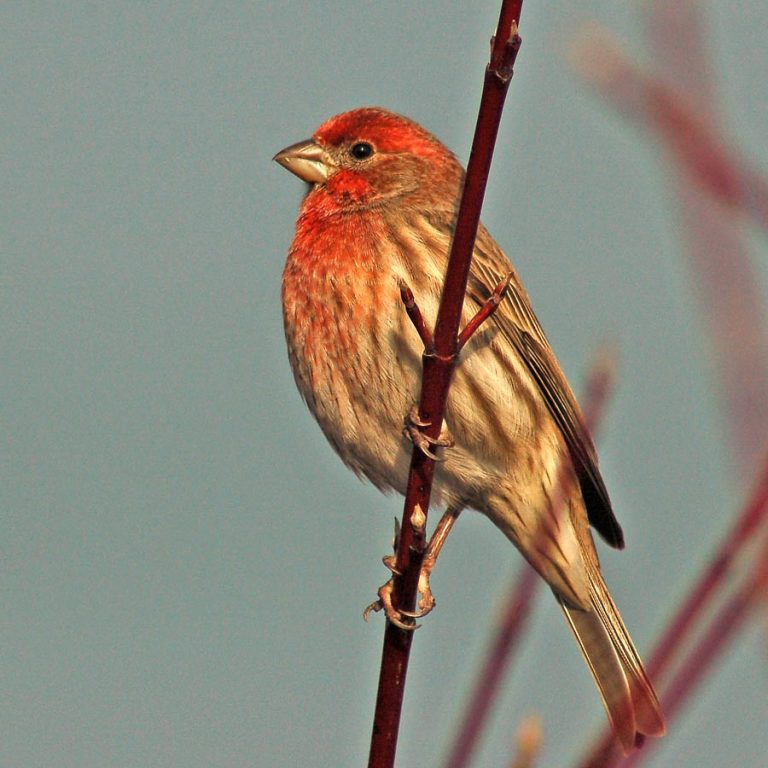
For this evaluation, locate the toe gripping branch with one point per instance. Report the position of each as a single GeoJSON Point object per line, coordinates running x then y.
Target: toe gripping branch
{"type": "Point", "coordinates": [414, 422]}
{"type": "Point", "coordinates": [414, 429]}
{"type": "Point", "coordinates": [400, 618]}
{"type": "Point", "coordinates": [426, 602]}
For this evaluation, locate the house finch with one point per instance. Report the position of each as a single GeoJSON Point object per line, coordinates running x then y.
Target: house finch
{"type": "Point", "coordinates": [379, 213]}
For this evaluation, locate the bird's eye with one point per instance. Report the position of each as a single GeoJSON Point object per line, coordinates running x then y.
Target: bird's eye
{"type": "Point", "coordinates": [361, 150]}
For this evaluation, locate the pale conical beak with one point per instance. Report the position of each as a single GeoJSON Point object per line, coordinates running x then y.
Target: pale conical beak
{"type": "Point", "coordinates": [309, 161]}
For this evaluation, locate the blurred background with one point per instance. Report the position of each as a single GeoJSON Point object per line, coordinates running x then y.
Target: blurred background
{"type": "Point", "coordinates": [184, 560]}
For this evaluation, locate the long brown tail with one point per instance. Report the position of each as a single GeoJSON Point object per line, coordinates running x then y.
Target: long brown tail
{"type": "Point", "coordinates": [627, 692]}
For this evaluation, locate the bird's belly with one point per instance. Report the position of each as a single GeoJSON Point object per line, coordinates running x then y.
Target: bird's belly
{"type": "Point", "coordinates": [360, 374]}
{"type": "Point", "coordinates": [359, 381]}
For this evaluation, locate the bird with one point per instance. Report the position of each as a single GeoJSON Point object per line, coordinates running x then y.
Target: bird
{"type": "Point", "coordinates": [378, 214]}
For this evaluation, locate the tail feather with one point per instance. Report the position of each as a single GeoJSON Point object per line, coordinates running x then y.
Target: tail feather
{"type": "Point", "coordinates": [627, 693]}
{"type": "Point", "coordinates": [648, 715]}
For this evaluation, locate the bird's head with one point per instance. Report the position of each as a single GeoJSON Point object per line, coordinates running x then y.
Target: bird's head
{"type": "Point", "coordinates": [369, 157]}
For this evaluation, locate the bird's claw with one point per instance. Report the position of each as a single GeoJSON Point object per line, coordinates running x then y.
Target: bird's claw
{"type": "Point", "coordinates": [374, 607]}
{"type": "Point", "coordinates": [424, 609]}
{"type": "Point", "coordinates": [389, 563]}
{"type": "Point", "coordinates": [425, 443]}
{"type": "Point", "coordinates": [426, 599]}
{"type": "Point", "coordinates": [384, 602]}
{"type": "Point", "coordinates": [413, 418]}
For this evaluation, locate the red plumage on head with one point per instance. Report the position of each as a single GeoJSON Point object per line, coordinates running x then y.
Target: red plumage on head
{"type": "Point", "coordinates": [388, 132]}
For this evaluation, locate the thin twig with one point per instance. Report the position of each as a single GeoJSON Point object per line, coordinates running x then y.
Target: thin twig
{"type": "Point", "coordinates": [716, 639]}
{"type": "Point", "coordinates": [509, 631]}
{"type": "Point", "coordinates": [412, 308]}
{"type": "Point", "coordinates": [754, 515]}
{"type": "Point", "coordinates": [682, 110]}
{"type": "Point", "coordinates": [490, 306]}
{"type": "Point", "coordinates": [747, 526]}
{"type": "Point", "coordinates": [713, 187]}
{"type": "Point", "coordinates": [437, 371]}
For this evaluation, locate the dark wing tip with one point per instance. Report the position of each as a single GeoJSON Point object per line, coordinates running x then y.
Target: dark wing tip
{"type": "Point", "coordinates": [565, 411]}
{"type": "Point", "coordinates": [599, 509]}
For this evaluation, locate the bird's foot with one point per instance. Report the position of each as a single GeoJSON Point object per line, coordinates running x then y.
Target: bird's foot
{"type": "Point", "coordinates": [400, 618]}
{"type": "Point", "coordinates": [403, 619]}
{"type": "Point", "coordinates": [412, 430]}
{"type": "Point", "coordinates": [426, 600]}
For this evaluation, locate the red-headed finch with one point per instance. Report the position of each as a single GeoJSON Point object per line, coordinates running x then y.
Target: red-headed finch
{"type": "Point", "coordinates": [380, 212]}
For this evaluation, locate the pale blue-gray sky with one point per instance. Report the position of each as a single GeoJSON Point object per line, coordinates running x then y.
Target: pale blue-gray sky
{"type": "Point", "coordinates": [185, 561]}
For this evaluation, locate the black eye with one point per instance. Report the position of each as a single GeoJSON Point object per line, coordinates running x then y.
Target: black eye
{"type": "Point", "coordinates": [361, 150]}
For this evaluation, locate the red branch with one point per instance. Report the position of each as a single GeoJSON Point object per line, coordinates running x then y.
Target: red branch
{"type": "Point", "coordinates": [713, 185]}
{"type": "Point", "coordinates": [412, 308]}
{"type": "Point", "coordinates": [437, 371]}
{"type": "Point", "coordinates": [749, 524]}
{"type": "Point", "coordinates": [490, 306]}
{"type": "Point", "coordinates": [755, 514]}
{"type": "Point", "coordinates": [715, 640]}
{"type": "Point", "coordinates": [488, 682]}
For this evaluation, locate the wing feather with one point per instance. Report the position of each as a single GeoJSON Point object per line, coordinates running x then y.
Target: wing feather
{"type": "Point", "coordinates": [520, 326]}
